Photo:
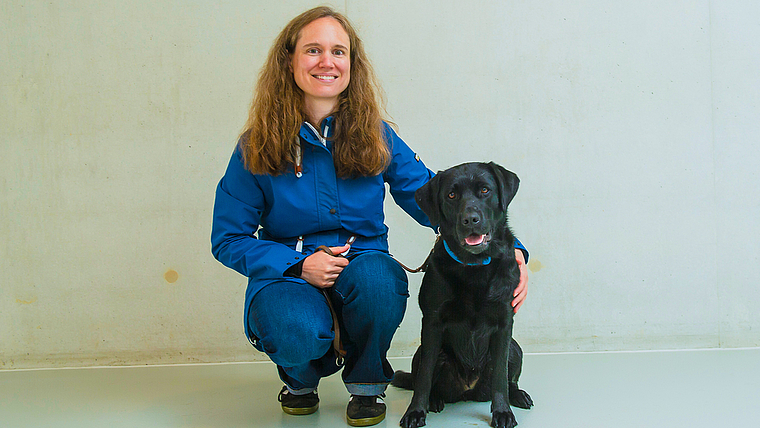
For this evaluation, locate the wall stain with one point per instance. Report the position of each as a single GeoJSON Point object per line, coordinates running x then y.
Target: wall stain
{"type": "Point", "coordinates": [171, 276]}
{"type": "Point", "coordinates": [26, 302]}
{"type": "Point", "coordinates": [535, 265]}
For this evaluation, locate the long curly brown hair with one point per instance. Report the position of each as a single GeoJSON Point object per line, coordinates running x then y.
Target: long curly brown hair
{"type": "Point", "coordinates": [270, 136]}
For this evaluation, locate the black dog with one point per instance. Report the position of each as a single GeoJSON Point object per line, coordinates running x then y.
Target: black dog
{"type": "Point", "coordinates": [467, 350]}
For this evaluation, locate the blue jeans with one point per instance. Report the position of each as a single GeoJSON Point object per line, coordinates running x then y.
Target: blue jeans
{"type": "Point", "coordinates": [294, 326]}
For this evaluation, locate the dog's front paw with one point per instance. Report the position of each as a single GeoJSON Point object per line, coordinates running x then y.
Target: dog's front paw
{"type": "Point", "coordinates": [413, 419]}
{"type": "Point", "coordinates": [503, 420]}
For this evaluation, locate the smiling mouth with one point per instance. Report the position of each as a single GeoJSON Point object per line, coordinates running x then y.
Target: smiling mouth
{"type": "Point", "coordinates": [326, 78]}
{"type": "Point", "coordinates": [474, 240]}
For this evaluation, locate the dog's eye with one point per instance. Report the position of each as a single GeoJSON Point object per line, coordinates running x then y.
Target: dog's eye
{"type": "Point", "coordinates": [485, 191]}
{"type": "Point", "coordinates": [452, 195]}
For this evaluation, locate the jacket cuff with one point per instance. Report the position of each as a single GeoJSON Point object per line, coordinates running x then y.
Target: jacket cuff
{"type": "Point", "coordinates": [296, 270]}
{"type": "Point", "coordinates": [521, 247]}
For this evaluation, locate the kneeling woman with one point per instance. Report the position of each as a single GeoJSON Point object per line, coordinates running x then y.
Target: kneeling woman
{"type": "Point", "coordinates": [308, 172]}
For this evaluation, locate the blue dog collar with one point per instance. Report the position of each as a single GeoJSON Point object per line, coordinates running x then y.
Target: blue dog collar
{"type": "Point", "coordinates": [451, 253]}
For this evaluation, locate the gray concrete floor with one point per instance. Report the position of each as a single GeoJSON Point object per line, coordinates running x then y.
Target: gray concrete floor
{"type": "Point", "coordinates": [714, 388]}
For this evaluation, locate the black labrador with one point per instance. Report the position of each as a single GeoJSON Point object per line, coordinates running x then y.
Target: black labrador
{"type": "Point", "coordinates": [467, 351]}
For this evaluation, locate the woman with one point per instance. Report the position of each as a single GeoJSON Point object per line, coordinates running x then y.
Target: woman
{"type": "Point", "coordinates": [309, 172]}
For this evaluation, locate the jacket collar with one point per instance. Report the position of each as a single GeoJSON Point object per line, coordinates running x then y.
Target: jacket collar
{"type": "Point", "coordinates": [317, 137]}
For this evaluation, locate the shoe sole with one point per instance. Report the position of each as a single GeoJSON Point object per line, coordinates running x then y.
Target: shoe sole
{"type": "Point", "coordinates": [300, 411]}
{"type": "Point", "coordinates": [365, 422]}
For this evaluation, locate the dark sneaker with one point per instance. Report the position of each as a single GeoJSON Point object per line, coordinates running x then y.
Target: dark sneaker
{"type": "Point", "coordinates": [364, 411]}
{"type": "Point", "coordinates": [298, 404]}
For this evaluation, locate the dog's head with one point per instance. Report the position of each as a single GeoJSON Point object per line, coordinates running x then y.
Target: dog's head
{"type": "Point", "coordinates": [469, 204]}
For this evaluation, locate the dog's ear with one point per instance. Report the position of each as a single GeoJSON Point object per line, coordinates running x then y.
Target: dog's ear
{"type": "Point", "coordinates": [428, 199]}
{"type": "Point", "coordinates": [508, 184]}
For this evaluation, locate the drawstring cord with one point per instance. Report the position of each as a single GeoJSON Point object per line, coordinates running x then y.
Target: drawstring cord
{"type": "Point", "coordinates": [299, 155]}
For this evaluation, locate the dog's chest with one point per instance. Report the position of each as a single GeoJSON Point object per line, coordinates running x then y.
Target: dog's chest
{"type": "Point", "coordinates": [474, 312]}
{"type": "Point", "coordinates": [469, 342]}
{"type": "Point", "coordinates": [469, 325]}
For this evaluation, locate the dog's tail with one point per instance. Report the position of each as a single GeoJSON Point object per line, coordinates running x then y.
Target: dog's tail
{"type": "Point", "coordinates": [403, 380]}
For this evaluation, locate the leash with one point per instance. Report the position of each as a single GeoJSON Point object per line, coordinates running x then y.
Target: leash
{"type": "Point", "coordinates": [340, 353]}
{"type": "Point", "coordinates": [423, 267]}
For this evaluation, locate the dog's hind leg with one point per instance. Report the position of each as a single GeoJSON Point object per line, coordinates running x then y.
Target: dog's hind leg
{"type": "Point", "coordinates": [405, 380]}
{"type": "Point", "coordinates": [517, 397]}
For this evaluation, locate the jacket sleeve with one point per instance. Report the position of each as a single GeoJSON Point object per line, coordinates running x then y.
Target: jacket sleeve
{"type": "Point", "coordinates": [238, 208]}
{"type": "Point", "coordinates": [521, 247]}
{"type": "Point", "coordinates": [405, 174]}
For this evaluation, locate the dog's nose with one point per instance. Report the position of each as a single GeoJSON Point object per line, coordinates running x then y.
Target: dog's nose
{"type": "Point", "coordinates": [471, 218]}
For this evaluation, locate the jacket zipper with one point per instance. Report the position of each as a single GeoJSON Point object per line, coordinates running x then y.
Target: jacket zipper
{"type": "Point", "coordinates": [299, 167]}
{"type": "Point", "coordinates": [322, 139]}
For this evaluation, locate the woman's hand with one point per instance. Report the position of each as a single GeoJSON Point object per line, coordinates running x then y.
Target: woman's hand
{"type": "Point", "coordinates": [321, 269]}
{"type": "Point", "coordinates": [522, 288]}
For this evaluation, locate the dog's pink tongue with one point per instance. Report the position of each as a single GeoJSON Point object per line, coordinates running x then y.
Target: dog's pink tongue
{"type": "Point", "coordinates": [474, 239]}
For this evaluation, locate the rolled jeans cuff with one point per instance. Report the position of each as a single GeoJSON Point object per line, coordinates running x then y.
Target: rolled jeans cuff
{"type": "Point", "coordinates": [366, 389]}
{"type": "Point", "coordinates": [302, 391]}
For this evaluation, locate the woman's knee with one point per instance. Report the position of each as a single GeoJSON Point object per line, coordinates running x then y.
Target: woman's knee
{"type": "Point", "coordinates": [293, 326]}
{"type": "Point", "coordinates": [297, 343]}
{"type": "Point", "coordinates": [376, 274]}
{"type": "Point", "coordinates": [375, 287]}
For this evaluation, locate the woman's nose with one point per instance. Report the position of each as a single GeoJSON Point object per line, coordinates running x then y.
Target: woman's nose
{"type": "Point", "coordinates": [325, 60]}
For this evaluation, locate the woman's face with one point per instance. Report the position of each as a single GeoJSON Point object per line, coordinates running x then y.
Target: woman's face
{"type": "Point", "coordinates": [320, 64]}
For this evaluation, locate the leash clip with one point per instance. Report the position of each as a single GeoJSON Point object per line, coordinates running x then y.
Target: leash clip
{"type": "Point", "coordinates": [349, 242]}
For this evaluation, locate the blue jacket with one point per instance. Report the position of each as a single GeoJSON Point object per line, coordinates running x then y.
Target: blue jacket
{"type": "Point", "coordinates": [319, 206]}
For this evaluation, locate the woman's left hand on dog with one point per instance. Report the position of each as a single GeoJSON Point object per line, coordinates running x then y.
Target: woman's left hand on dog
{"type": "Point", "coordinates": [522, 288]}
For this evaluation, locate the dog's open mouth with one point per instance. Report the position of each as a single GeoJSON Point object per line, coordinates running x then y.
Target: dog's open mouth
{"type": "Point", "coordinates": [475, 239]}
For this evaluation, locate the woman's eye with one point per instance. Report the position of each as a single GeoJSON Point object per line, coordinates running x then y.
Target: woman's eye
{"type": "Point", "coordinates": [452, 195]}
{"type": "Point", "coordinates": [339, 52]}
{"type": "Point", "coordinates": [312, 51]}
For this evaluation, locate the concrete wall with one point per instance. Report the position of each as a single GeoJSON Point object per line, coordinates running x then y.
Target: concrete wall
{"type": "Point", "coordinates": [632, 124]}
